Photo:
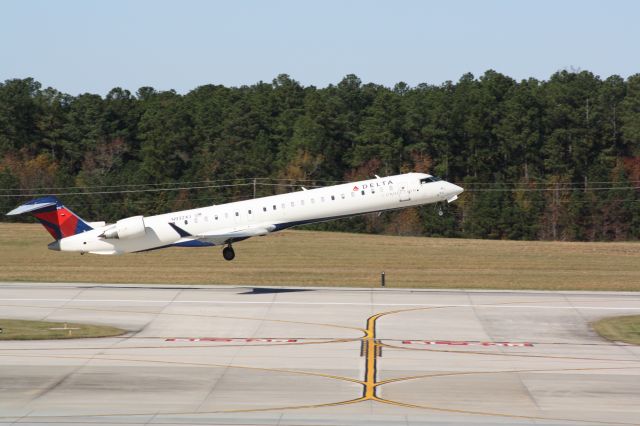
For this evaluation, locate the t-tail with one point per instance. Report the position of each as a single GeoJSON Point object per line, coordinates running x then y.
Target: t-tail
{"type": "Point", "coordinates": [54, 216]}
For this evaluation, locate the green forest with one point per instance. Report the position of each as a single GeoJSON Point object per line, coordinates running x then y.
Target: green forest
{"type": "Point", "coordinates": [551, 160]}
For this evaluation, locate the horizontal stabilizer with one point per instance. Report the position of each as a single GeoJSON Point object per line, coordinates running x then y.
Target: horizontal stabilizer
{"type": "Point", "coordinates": [34, 205]}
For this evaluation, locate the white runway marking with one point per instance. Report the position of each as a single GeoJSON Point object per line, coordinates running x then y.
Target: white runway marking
{"type": "Point", "coordinates": [255, 302]}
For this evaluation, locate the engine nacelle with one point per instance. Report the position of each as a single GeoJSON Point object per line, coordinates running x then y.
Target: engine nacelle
{"type": "Point", "coordinates": [131, 227]}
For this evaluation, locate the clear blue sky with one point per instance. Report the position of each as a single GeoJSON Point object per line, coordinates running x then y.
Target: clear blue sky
{"type": "Point", "coordinates": [92, 46]}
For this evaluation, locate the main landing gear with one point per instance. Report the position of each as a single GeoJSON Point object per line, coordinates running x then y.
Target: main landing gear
{"type": "Point", "coordinates": [228, 252]}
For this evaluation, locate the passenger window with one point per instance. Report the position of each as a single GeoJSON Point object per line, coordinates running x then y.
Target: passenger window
{"type": "Point", "coordinates": [216, 217]}
{"type": "Point", "coordinates": [237, 214]}
{"type": "Point", "coordinates": [264, 209]}
{"type": "Point", "coordinates": [333, 198]}
{"type": "Point", "coordinates": [373, 191]}
{"type": "Point", "coordinates": [249, 211]}
{"type": "Point", "coordinates": [342, 196]}
{"type": "Point", "coordinates": [362, 192]}
{"type": "Point", "coordinates": [274, 206]}
{"type": "Point", "coordinates": [186, 222]}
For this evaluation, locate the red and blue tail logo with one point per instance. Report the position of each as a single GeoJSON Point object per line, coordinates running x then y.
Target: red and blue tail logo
{"type": "Point", "coordinates": [55, 217]}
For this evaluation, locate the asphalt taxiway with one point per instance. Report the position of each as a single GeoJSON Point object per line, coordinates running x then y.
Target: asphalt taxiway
{"type": "Point", "coordinates": [286, 356]}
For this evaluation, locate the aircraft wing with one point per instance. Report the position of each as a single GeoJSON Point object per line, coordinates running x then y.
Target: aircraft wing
{"type": "Point", "coordinates": [222, 236]}
{"type": "Point", "coordinates": [235, 234]}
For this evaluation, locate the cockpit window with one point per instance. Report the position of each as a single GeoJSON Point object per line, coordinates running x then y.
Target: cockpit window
{"type": "Point", "coordinates": [430, 179]}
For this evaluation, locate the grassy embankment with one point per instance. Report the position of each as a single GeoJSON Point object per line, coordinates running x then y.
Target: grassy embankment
{"type": "Point", "coordinates": [39, 330]}
{"type": "Point", "coordinates": [619, 329]}
{"type": "Point", "coordinates": [304, 258]}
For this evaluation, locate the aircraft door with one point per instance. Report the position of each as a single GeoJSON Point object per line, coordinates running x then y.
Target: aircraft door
{"type": "Point", "coordinates": [404, 193]}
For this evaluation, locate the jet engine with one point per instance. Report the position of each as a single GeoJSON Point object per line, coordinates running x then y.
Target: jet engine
{"type": "Point", "coordinates": [131, 227]}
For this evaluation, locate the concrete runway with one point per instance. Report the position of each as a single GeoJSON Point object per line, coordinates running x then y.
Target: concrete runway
{"type": "Point", "coordinates": [238, 355]}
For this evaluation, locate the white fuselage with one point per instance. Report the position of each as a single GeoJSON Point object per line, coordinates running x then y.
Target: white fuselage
{"type": "Point", "coordinates": [213, 225]}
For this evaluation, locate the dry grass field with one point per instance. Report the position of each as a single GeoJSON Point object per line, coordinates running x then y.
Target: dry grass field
{"type": "Point", "coordinates": [13, 329]}
{"type": "Point", "coordinates": [304, 258]}
{"type": "Point", "coordinates": [619, 329]}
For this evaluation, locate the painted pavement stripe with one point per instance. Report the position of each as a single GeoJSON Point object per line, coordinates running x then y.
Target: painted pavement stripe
{"type": "Point", "coordinates": [466, 343]}
{"type": "Point", "coordinates": [254, 302]}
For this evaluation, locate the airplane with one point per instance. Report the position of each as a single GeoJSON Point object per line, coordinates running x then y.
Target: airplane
{"type": "Point", "coordinates": [225, 224]}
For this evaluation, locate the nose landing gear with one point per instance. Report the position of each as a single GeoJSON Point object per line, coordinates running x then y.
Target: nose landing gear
{"type": "Point", "coordinates": [228, 252]}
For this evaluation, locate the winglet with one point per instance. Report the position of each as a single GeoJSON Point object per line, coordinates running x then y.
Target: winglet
{"type": "Point", "coordinates": [179, 230]}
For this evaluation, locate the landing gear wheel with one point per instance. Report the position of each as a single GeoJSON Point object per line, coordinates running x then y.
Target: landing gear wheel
{"type": "Point", "coordinates": [228, 253]}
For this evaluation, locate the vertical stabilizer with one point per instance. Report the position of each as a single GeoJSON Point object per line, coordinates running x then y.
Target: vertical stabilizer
{"type": "Point", "coordinates": [59, 221]}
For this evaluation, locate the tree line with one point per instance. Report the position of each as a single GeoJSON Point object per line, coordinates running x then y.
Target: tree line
{"type": "Point", "coordinates": [555, 160]}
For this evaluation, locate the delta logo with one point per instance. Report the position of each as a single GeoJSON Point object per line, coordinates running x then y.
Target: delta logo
{"type": "Point", "coordinates": [373, 185]}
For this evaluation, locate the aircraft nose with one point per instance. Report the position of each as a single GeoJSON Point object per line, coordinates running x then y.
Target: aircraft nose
{"type": "Point", "coordinates": [54, 246]}
{"type": "Point", "coordinates": [452, 192]}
